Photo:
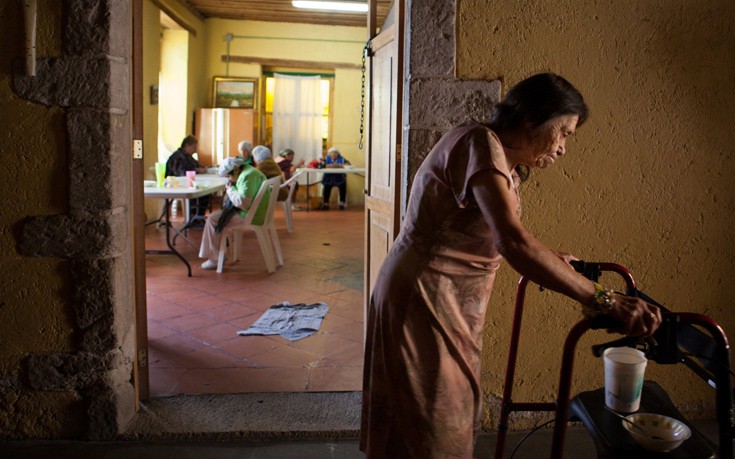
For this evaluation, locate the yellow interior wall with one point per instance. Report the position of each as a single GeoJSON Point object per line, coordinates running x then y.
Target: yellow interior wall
{"type": "Point", "coordinates": [34, 293]}
{"type": "Point", "coordinates": [34, 296]}
{"type": "Point", "coordinates": [646, 182]}
{"type": "Point", "coordinates": [189, 46]}
{"type": "Point", "coordinates": [173, 91]}
{"type": "Point", "coordinates": [151, 68]}
{"type": "Point", "coordinates": [346, 48]}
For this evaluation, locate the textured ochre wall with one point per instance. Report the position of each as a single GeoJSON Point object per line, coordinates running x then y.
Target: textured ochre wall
{"type": "Point", "coordinates": [647, 181]}
{"type": "Point", "coordinates": [34, 291]}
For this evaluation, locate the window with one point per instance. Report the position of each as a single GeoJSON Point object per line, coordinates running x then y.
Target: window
{"type": "Point", "coordinates": [267, 113]}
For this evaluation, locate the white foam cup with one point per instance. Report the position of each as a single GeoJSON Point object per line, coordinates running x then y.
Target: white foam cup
{"type": "Point", "coordinates": [624, 369]}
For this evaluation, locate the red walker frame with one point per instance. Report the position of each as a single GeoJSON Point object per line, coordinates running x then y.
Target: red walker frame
{"type": "Point", "coordinates": [562, 404]}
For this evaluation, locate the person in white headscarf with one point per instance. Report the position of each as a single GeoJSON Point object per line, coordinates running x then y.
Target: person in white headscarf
{"type": "Point", "coordinates": [244, 183]}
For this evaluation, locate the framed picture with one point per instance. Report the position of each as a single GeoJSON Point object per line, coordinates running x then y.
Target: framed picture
{"type": "Point", "coordinates": [234, 92]}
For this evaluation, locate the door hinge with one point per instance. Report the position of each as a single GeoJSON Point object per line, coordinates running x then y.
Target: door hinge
{"type": "Point", "coordinates": [137, 149]}
{"type": "Point", "coordinates": [143, 358]}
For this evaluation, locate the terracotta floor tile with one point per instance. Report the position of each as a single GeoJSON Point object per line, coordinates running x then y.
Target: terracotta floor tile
{"type": "Point", "coordinates": [188, 322]}
{"type": "Point", "coordinates": [193, 321]}
{"type": "Point", "coordinates": [335, 379]}
{"type": "Point", "coordinates": [175, 344]}
{"type": "Point", "coordinates": [211, 381]}
{"type": "Point", "coordinates": [350, 355]}
{"type": "Point", "coordinates": [163, 381]}
{"type": "Point", "coordinates": [285, 356]}
{"type": "Point", "coordinates": [247, 347]}
{"type": "Point", "coordinates": [275, 380]}
{"type": "Point", "coordinates": [322, 344]}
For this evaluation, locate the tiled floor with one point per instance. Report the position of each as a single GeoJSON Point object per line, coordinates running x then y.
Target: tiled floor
{"type": "Point", "coordinates": [193, 322]}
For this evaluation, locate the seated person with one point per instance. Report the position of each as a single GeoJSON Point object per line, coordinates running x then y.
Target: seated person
{"type": "Point", "coordinates": [334, 159]}
{"type": "Point", "coordinates": [245, 149]}
{"type": "Point", "coordinates": [266, 165]}
{"type": "Point", "coordinates": [285, 162]}
{"type": "Point", "coordinates": [244, 183]}
{"type": "Point", "coordinates": [182, 160]}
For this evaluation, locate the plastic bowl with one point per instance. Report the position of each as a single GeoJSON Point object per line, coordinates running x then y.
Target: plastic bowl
{"type": "Point", "coordinates": [669, 432]}
{"type": "Point", "coordinates": [347, 166]}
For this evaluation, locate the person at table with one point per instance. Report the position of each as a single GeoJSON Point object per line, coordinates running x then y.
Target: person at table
{"type": "Point", "coordinates": [183, 160]}
{"type": "Point", "coordinates": [267, 165]}
{"type": "Point", "coordinates": [285, 162]}
{"type": "Point", "coordinates": [333, 160]}
{"type": "Point", "coordinates": [422, 387]}
{"type": "Point", "coordinates": [245, 149]}
{"type": "Point", "coordinates": [244, 182]}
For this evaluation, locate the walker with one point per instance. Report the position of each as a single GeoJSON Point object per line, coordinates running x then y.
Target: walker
{"type": "Point", "coordinates": [675, 341]}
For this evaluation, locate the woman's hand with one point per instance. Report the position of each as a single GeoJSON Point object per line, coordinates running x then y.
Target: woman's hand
{"type": "Point", "coordinates": [638, 316]}
{"type": "Point", "coordinates": [566, 257]}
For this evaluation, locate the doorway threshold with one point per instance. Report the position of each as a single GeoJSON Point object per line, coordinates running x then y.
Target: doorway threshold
{"type": "Point", "coordinates": [257, 417]}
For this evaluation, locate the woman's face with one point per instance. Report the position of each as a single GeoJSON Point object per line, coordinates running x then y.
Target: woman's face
{"type": "Point", "coordinates": [548, 141]}
{"type": "Point", "coordinates": [334, 155]}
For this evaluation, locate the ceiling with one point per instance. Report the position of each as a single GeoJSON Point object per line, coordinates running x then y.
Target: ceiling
{"type": "Point", "coordinates": [282, 11]}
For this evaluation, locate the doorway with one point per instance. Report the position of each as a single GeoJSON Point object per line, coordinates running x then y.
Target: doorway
{"type": "Point", "coordinates": [186, 350]}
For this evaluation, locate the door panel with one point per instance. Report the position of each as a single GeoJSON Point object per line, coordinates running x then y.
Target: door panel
{"type": "Point", "coordinates": [382, 212]}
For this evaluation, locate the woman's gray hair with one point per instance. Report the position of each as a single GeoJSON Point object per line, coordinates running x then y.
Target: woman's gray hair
{"type": "Point", "coordinates": [244, 144]}
{"type": "Point", "coordinates": [334, 149]}
{"type": "Point", "coordinates": [260, 153]}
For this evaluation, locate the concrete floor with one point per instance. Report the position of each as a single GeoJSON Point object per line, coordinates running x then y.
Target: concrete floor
{"type": "Point", "coordinates": [578, 446]}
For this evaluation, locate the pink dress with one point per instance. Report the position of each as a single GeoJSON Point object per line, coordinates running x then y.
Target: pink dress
{"type": "Point", "coordinates": [421, 389]}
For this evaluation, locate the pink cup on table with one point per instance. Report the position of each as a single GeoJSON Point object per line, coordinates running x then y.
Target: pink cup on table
{"type": "Point", "coordinates": [190, 177]}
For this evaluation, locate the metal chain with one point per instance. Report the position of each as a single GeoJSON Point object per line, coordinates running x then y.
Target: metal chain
{"type": "Point", "coordinates": [365, 52]}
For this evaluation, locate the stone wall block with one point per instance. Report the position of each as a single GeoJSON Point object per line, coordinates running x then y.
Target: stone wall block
{"type": "Point", "coordinates": [96, 27]}
{"type": "Point", "coordinates": [458, 100]}
{"type": "Point", "coordinates": [89, 159]}
{"type": "Point", "coordinates": [65, 372]}
{"type": "Point", "coordinates": [119, 85]}
{"type": "Point", "coordinates": [420, 143]}
{"type": "Point", "coordinates": [98, 336]}
{"type": "Point", "coordinates": [94, 295]}
{"type": "Point", "coordinates": [432, 43]}
{"type": "Point", "coordinates": [66, 82]}
{"type": "Point", "coordinates": [101, 415]}
{"type": "Point", "coordinates": [80, 236]}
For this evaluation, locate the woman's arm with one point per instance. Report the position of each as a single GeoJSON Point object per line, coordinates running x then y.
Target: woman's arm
{"type": "Point", "coordinates": [538, 263]}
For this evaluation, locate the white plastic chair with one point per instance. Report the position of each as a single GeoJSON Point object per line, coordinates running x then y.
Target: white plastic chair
{"type": "Point", "coordinates": [265, 233]}
{"type": "Point", "coordinates": [288, 203]}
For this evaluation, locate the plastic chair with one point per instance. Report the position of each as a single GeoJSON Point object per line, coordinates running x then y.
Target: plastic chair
{"type": "Point", "coordinates": [288, 203]}
{"type": "Point", "coordinates": [265, 233]}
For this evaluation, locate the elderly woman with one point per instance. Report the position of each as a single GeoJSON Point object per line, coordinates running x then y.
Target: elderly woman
{"type": "Point", "coordinates": [245, 149]}
{"type": "Point", "coordinates": [334, 159]}
{"type": "Point", "coordinates": [267, 165]}
{"type": "Point", "coordinates": [421, 395]}
{"type": "Point", "coordinates": [242, 187]}
{"type": "Point", "coordinates": [285, 162]}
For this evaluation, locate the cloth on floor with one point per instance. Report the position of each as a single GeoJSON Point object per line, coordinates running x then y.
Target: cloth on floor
{"type": "Point", "coordinates": [291, 321]}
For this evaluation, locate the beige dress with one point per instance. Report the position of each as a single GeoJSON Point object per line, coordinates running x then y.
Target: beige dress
{"type": "Point", "coordinates": [421, 393]}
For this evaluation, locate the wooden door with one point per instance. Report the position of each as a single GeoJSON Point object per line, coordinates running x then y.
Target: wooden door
{"type": "Point", "coordinates": [140, 365]}
{"type": "Point", "coordinates": [383, 147]}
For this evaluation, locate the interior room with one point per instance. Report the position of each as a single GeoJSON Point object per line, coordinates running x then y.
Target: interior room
{"type": "Point", "coordinates": [183, 54]}
{"type": "Point", "coordinates": [645, 184]}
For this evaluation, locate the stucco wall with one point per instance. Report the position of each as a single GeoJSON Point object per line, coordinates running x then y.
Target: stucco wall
{"type": "Point", "coordinates": [66, 341]}
{"type": "Point", "coordinates": [34, 294]}
{"type": "Point", "coordinates": [646, 182]}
